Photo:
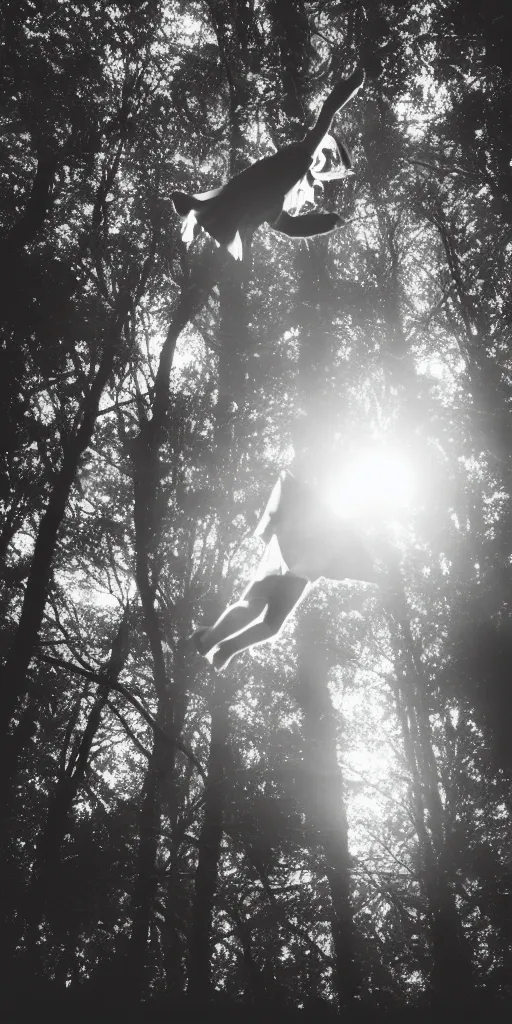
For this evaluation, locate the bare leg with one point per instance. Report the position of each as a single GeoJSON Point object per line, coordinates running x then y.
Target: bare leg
{"type": "Point", "coordinates": [307, 224]}
{"type": "Point", "coordinates": [236, 617]}
{"type": "Point", "coordinates": [346, 158]}
{"type": "Point", "coordinates": [256, 634]}
{"type": "Point", "coordinates": [286, 592]}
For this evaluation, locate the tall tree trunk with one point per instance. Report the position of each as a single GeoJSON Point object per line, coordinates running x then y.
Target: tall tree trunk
{"type": "Point", "coordinates": [146, 882]}
{"type": "Point", "coordinates": [38, 205]}
{"type": "Point", "coordinates": [45, 873]}
{"type": "Point", "coordinates": [233, 342]}
{"type": "Point", "coordinates": [325, 802]}
{"type": "Point", "coordinates": [451, 977]}
{"type": "Point", "coordinates": [157, 798]}
{"type": "Point", "coordinates": [324, 796]}
{"type": "Point", "coordinates": [199, 981]}
{"type": "Point", "coordinates": [171, 700]}
{"type": "Point", "coordinates": [174, 952]}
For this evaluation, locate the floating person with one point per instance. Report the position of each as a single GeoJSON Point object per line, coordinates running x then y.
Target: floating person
{"type": "Point", "coordinates": [305, 541]}
{"type": "Point", "coordinates": [266, 191]}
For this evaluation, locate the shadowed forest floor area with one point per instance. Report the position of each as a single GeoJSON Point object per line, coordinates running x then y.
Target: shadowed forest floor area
{"type": "Point", "coordinates": [324, 829]}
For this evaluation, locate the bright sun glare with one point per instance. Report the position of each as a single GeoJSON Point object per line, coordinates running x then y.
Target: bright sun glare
{"type": "Point", "coordinates": [376, 482]}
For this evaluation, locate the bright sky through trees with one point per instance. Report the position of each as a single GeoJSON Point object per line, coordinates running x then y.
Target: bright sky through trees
{"type": "Point", "coordinates": [375, 482]}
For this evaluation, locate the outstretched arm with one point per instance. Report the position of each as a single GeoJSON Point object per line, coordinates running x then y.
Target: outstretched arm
{"type": "Point", "coordinates": [338, 97]}
{"type": "Point", "coordinates": [257, 194]}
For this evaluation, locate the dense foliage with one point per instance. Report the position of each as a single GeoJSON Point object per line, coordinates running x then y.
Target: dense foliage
{"type": "Point", "coordinates": [327, 824]}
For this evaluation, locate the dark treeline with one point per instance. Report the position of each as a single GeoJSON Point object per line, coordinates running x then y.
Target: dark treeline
{"type": "Point", "coordinates": [326, 827]}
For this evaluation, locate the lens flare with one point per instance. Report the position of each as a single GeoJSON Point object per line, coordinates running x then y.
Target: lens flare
{"type": "Point", "coordinates": [373, 482]}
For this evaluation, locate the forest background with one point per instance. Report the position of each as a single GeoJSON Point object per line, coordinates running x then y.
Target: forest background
{"type": "Point", "coordinates": [327, 824]}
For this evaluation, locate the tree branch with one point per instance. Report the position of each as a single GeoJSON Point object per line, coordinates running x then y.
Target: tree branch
{"type": "Point", "coordinates": [105, 681]}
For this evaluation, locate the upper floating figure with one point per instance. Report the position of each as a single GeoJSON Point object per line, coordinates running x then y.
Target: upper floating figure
{"type": "Point", "coordinates": [267, 189]}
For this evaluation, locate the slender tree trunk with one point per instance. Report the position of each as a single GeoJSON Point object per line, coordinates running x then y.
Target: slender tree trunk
{"type": "Point", "coordinates": [174, 952]}
{"type": "Point", "coordinates": [324, 796]}
{"type": "Point", "coordinates": [158, 785]}
{"type": "Point", "coordinates": [451, 977]}
{"type": "Point", "coordinates": [291, 30]}
{"type": "Point", "coordinates": [325, 802]}
{"type": "Point", "coordinates": [199, 981]}
{"type": "Point", "coordinates": [171, 703]}
{"type": "Point", "coordinates": [45, 874]}
{"type": "Point", "coordinates": [171, 700]}
{"type": "Point", "coordinates": [146, 882]}
{"type": "Point", "coordinates": [173, 944]}
{"type": "Point", "coordinates": [233, 342]}
{"type": "Point", "coordinates": [39, 202]}
{"type": "Point", "coordinates": [14, 676]}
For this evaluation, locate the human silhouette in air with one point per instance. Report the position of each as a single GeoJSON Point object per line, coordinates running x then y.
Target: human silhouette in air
{"type": "Point", "coordinates": [304, 541]}
{"type": "Point", "coordinates": [269, 188]}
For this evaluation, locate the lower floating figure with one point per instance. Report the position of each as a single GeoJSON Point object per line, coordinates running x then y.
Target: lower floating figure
{"type": "Point", "coordinates": [305, 541]}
